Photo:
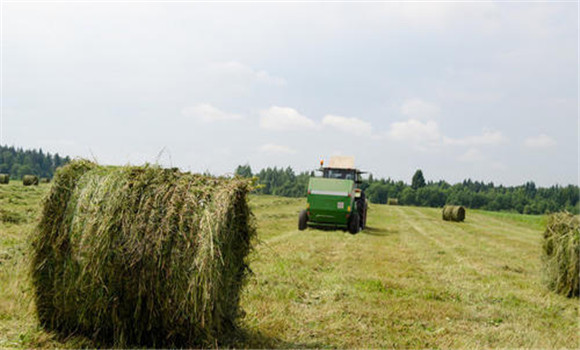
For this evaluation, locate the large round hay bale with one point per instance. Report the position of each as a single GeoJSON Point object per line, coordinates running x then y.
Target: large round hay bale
{"type": "Point", "coordinates": [453, 213]}
{"type": "Point", "coordinates": [561, 254]}
{"type": "Point", "coordinates": [29, 180]}
{"type": "Point", "coordinates": [142, 256]}
{"type": "Point", "coordinates": [392, 201]}
{"type": "Point", "coordinates": [44, 180]}
{"type": "Point", "coordinates": [4, 178]}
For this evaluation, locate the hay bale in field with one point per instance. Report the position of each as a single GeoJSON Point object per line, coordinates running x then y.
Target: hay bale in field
{"type": "Point", "coordinates": [4, 178]}
{"type": "Point", "coordinates": [142, 256]}
{"type": "Point", "coordinates": [44, 180]}
{"type": "Point", "coordinates": [453, 213]}
{"type": "Point", "coordinates": [561, 254]}
{"type": "Point", "coordinates": [392, 201]}
{"type": "Point", "coordinates": [29, 180]}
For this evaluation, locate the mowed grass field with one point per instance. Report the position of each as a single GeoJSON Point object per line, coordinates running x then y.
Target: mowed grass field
{"type": "Point", "coordinates": [410, 280]}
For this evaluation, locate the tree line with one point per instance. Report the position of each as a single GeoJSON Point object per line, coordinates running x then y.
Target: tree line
{"type": "Point", "coordinates": [18, 162]}
{"type": "Point", "coordinates": [524, 199]}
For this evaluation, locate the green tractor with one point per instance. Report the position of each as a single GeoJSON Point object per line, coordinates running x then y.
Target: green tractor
{"type": "Point", "coordinates": [334, 200]}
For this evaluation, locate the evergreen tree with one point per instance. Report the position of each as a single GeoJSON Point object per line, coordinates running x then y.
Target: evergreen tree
{"type": "Point", "coordinates": [418, 180]}
{"type": "Point", "coordinates": [244, 171]}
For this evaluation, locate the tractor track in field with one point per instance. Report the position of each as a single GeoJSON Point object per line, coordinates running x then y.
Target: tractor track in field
{"type": "Point", "coordinates": [280, 237]}
{"type": "Point", "coordinates": [516, 227]}
{"type": "Point", "coordinates": [483, 236]}
{"type": "Point", "coordinates": [480, 225]}
{"type": "Point", "coordinates": [458, 259]}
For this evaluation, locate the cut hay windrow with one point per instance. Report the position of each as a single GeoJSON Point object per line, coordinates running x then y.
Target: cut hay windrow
{"type": "Point", "coordinates": [29, 180]}
{"type": "Point", "coordinates": [392, 201]}
{"type": "Point", "coordinates": [561, 254]}
{"type": "Point", "coordinates": [453, 213]}
{"type": "Point", "coordinates": [142, 256]}
{"type": "Point", "coordinates": [4, 178]}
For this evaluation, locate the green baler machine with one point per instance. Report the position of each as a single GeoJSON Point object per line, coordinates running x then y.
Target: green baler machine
{"type": "Point", "coordinates": [334, 200]}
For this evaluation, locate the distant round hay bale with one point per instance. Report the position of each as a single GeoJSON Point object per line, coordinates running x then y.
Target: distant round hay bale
{"type": "Point", "coordinates": [392, 201]}
{"type": "Point", "coordinates": [142, 256]}
{"type": "Point", "coordinates": [453, 213]}
{"type": "Point", "coordinates": [4, 178]}
{"type": "Point", "coordinates": [29, 180]}
{"type": "Point", "coordinates": [44, 180]}
{"type": "Point", "coordinates": [561, 254]}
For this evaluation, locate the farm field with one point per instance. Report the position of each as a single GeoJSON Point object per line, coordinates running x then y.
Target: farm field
{"type": "Point", "coordinates": [410, 280]}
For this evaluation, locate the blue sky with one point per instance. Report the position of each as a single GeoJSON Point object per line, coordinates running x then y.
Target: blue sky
{"type": "Point", "coordinates": [487, 91]}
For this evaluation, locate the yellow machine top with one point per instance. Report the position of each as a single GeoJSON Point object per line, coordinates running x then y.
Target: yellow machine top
{"type": "Point", "coordinates": [341, 162]}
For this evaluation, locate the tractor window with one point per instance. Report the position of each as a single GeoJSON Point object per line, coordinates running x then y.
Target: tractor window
{"type": "Point", "coordinates": [343, 174]}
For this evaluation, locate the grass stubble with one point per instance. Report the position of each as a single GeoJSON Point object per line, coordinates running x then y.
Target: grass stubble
{"type": "Point", "coordinates": [410, 280]}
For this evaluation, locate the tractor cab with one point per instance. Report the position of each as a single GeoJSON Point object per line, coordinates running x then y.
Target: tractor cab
{"type": "Point", "coordinates": [334, 200]}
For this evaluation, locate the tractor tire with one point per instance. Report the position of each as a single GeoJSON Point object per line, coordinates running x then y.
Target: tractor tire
{"type": "Point", "coordinates": [302, 220]}
{"type": "Point", "coordinates": [363, 222]}
{"type": "Point", "coordinates": [362, 206]}
{"type": "Point", "coordinates": [354, 224]}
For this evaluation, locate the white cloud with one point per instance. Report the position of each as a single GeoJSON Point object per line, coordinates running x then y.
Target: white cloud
{"type": "Point", "coordinates": [488, 138]}
{"type": "Point", "coordinates": [271, 148]}
{"type": "Point", "coordinates": [350, 125]}
{"type": "Point", "coordinates": [416, 108]}
{"type": "Point", "coordinates": [540, 141]}
{"type": "Point", "coordinates": [473, 155]}
{"type": "Point", "coordinates": [234, 70]}
{"type": "Point", "coordinates": [427, 137]}
{"type": "Point", "coordinates": [207, 113]}
{"type": "Point", "coordinates": [284, 119]}
{"type": "Point", "coordinates": [415, 131]}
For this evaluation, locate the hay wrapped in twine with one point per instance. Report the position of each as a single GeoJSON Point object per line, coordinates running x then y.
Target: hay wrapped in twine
{"type": "Point", "coordinates": [561, 254]}
{"type": "Point", "coordinates": [142, 256]}
{"type": "Point", "coordinates": [29, 180]}
{"type": "Point", "coordinates": [453, 213]}
{"type": "Point", "coordinates": [4, 178]}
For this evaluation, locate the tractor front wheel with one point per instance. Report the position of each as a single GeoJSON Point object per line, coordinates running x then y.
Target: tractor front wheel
{"type": "Point", "coordinates": [302, 220]}
{"type": "Point", "coordinates": [354, 224]}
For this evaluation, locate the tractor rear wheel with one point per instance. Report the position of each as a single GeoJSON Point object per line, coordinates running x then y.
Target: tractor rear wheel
{"type": "Point", "coordinates": [366, 213]}
{"type": "Point", "coordinates": [363, 215]}
{"type": "Point", "coordinates": [354, 224]}
{"type": "Point", "coordinates": [362, 206]}
{"type": "Point", "coordinates": [302, 220]}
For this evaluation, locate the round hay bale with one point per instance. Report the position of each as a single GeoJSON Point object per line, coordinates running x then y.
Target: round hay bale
{"type": "Point", "coordinates": [44, 180]}
{"type": "Point", "coordinates": [142, 256]}
{"type": "Point", "coordinates": [561, 254]}
{"type": "Point", "coordinates": [392, 201]}
{"type": "Point", "coordinates": [453, 213]}
{"type": "Point", "coordinates": [29, 180]}
{"type": "Point", "coordinates": [4, 178]}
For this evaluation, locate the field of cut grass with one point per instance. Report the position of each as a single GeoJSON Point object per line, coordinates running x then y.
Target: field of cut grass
{"type": "Point", "coordinates": [410, 280]}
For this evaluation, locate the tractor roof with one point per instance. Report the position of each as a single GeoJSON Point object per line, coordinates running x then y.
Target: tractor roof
{"type": "Point", "coordinates": [341, 162]}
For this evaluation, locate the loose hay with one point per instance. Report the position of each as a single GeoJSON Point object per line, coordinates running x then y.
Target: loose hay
{"type": "Point", "coordinates": [561, 254]}
{"type": "Point", "coordinates": [29, 180]}
{"type": "Point", "coordinates": [13, 217]}
{"type": "Point", "coordinates": [141, 255]}
{"type": "Point", "coordinates": [453, 213]}
{"type": "Point", "coordinates": [4, 178]}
